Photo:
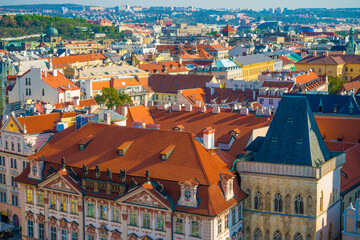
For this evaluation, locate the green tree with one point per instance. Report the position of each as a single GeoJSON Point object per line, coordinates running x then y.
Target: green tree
{"type": "Point", "coordinates": [111, 98]}
{"type": "Point", "coordinates": [335, 84]}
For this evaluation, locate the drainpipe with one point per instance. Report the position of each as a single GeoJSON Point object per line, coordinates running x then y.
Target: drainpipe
{"type": "Point", "coordinates": [83, 202]}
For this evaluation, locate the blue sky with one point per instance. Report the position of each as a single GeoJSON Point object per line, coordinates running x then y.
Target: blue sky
{"type": "Point", "coordinates": [254, 4]}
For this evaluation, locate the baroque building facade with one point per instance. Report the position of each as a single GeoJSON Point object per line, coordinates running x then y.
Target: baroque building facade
{"type": "Point", "coordinates": [292, 180]}
{"type": "Point", "coordinates": [191, 193]}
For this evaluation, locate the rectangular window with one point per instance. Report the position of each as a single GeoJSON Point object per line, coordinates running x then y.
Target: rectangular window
{"type": "Point", "coordinates": [63, 204]}
{"type": "Point", "coordinates": [52, 202]}
{"type": "Point", "coordinates": [90, 208]}
{"type": "Point", "coordinates": [63, 234]}
{"type": "Point", "coordinates": [30, 228]}
{"type": "Point", "coordinates": [103, 211]}
{"type": "Point", "coordinates": [91, 237]}
{"type": "Point", "coordinates": [133, 218]}
{"type": "Point", "coordinates": [74, 207]}
{"type": "Point", "coordinates": [233, 217]}
{"type": "Point", "coordinates": [226, 221]}
{"type": "Point", "coordinates": [2, 178]}
{"type": "Point", "coordinates": [160, 222]}
{"type": "Point", "coordinates": [146, 220]}
{"type": "Point", "coordinates": [2, 160]}
{"type": "Point", "coordinates": [74, 236]}
{"type": "Point", "coordinates": [30, 196]}
{"type": "Point", "coordinates": [13, 183]}
{"type": "Point", "coordinates": [24, 165]}
{"type": "Point", "coordinates": [43, 92]}
{"type": "Point", "coordinates": [179, 226]}
{"type": "Point", "coordinates": [40, 198]}
{"type": "Point", "coordinates": [19, 147]}
{"type": "Point", "coordinates": [13, 162]}
{"type": "Point", "coordinates": [41, 231]}
{"type": "Point", "coordinates": [3, 197]}
{"type": "Point", "coordinates": [271, 101]}
{"type": "Point", "coordinates": [195, 228]}
{"type": "Point", "coordinates": [219, 226]}
{"type": "Point", "coordinates": [14, 200]}
{"type": "Point", "coordinates": [6, 145]}
{"type": "Point", "coordinates": [29, 91]}
{"type": "Point", "coordinates": [116, 214]}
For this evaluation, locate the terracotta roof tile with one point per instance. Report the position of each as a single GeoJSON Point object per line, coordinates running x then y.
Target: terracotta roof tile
{"type": "Point", "coordinates": [62, 62]}
{"type": "Point", "coordinates": [59, 82]}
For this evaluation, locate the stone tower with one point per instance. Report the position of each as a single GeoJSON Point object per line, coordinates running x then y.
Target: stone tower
{"type": "Point", "coordinates": [292, 179]}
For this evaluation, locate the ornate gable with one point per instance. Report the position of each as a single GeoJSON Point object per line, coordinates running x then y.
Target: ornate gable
{"type": "Point", "coordinates": [11, 126]}
{"type": "Point", "coordinates": [146, 198]}
{"type": "Point", "coordinates": [59, 183]}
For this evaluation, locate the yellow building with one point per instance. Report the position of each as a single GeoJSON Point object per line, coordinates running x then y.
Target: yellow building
{"type": "Point", "coordinates": [347, 66]}
{"type": "Point", "coordinates": [83, 47]}
{"type": "Point", "coordinates": [292, 179]}
{"type": "Point", "coordinates": [253, 65]}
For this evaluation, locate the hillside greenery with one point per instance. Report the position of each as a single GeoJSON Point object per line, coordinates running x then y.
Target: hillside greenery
{"type": "Point", "coordinates": [68, 28]}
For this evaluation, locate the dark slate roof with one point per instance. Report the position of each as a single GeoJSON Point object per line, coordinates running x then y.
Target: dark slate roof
{"type": "Point", "coordinates": [328, 102]}
{"type": "Point", "coordinates": [338, 48]}
{"type": "Point", "coordinates": [255, 145]}
{"type": "Point", "coordinates": [293, 136]}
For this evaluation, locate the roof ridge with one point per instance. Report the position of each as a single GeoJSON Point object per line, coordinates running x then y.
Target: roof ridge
{"type": "Point", "coordinates": [199, 158]}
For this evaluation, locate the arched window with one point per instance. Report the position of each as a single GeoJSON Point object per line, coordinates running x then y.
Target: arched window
{"type": "Point", "coordinates": [308, 237]}
{"type": "Point", "coordinates": [299, 205]}
{"type": "Point", "coordinates": [298, 236]}
{"type": "Point", "coordinates": [278, 203]}
{"type": "Point", "coordinates": [322, 201]}
{"type": "Point", "coordinates": [257, 234]}
{"type": "Point", "coordinates": [267, 202]}
{"type": "Point", "coordinates": [277, 235]}
{"type": "Point", "coordinates": [258, 201]}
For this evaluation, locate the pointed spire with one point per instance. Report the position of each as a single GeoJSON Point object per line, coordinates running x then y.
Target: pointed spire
{"type": "Point", "coordinates": [147, 176]}
{"type": "Point", "coordinates": [63, 167]}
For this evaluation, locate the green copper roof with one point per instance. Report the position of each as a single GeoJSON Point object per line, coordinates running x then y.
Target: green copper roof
{"type": "Point", "coordinates": [293, 136]}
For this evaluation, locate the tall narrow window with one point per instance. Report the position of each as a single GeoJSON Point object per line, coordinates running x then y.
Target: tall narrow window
{"type": "Point", "coordinates": [103, 211]}
{"type": "Point", "coordinates": [322, 201]}
{"type": "Point", "coordinates": [160, 222]}
{"type": "Point", "coordinates": [63, 204]}
{"type": "Point", "coordinates": [278, 204]}
{"type": "Point", "coordinates": [30, 196]}
{"type": "Point", "coordinates": [233, 217]}
{"type": "Point", "coordinates": [258, 201]}
{"type": "Point", "coordinates": [146, 220]}
{"type": "Point", "coordinates": [41, 231]}
{"type": "Point", "coordinates": [116, 214]}
{"type": "Point", "coordinates": [74, 206]}
{"type": "Point", "coordinates": [219, 226]}
{"type": "Point", "coordinates": [277, 235]}
{"type": "Point", "coordinates": [133, 218]}
{"type": "Point", "coordinates": [226, 221]}
{"type": "Point", "coordinates": [299, 205]}
{"type": "Point", "coordinates": [74, 236]}
{"type": "Point", "coordinates": [30, 228]}
{"type": "Point", "coordinates": [52, 201]}
{"type": "Point", "coordinates": [64, 234]}
{"type": "Point", "coordinates": [40, 198]}
{"type": "Point", "coordinates": [179, 225]}
{"type": "Point", "coordinates": [90, 208]}
{"type": "Point", "coordinates": [195, 228]}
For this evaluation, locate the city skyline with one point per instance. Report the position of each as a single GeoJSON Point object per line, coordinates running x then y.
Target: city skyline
{"type": "Point", "coordinates": [256, 4]}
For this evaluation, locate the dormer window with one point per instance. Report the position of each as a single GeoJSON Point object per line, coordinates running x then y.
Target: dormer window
{"type": "Point", "coordinates": [166, 153]}
{"type": "Point", "coordinates": [299, 141]}
{"type": "Point", "coordinates": [188, 190]}
{"type": "Point", "coordinates": [124, 147]}
{"type": "Point", "coordinates": [227, 182]}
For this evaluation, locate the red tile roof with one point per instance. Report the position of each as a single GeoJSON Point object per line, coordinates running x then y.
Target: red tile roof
{"type": "Point", "coordinates": [351, 169]}
{"type": "Point", "coordinates": [59, 82]}
{"type": "Point", "coordinates": [62, 62]}
{"type": "Point", "coordinates": [194, 96]}
{"type": "Point", "coordinates": [164, 67]}
{"type": "Point", "coordinates": [228, 28]}
{"type": "Point", "coordinates": [188, 160]}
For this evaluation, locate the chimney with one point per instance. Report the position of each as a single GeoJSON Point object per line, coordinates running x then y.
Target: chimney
{"type": "Point", "coordinates": [244, 111]}
{"type": "Point", "coordinates": [208, 137]}
{"type": "Point", "coordinates": [216, 110]}
{"type": "Point", "coordinates": [124, 111]}
{"type": "Point", "coordinates": [326, 53]}
{"type": "Point", "coordinates": [45, 74]}
{"type": "Point", "coordinates": [259, 112]}
{"type": "Point", "coordinates": [308, 73]}
{"type": "Point", "coordinates": [188, 107]}
{"type": "Point", "coordinates": [203, 108]}
{"type": "Point", "coordinates": [55, 73]}
{"type": "Point", "coordinates": [176, 108]}
{"type": "Point", "coordinates": [153, 126]}
{"type": "Point", "coordinates": [76, 101]}
{"type": "Point", "coordinates": [314, 53]}
{"type": "Point", "coordinates": [107, 118]}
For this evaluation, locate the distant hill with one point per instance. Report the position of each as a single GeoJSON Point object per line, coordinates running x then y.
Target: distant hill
{"type": "Point", "coordinates": [44, 6]}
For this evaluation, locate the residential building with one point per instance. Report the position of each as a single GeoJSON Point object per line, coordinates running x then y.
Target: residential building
{"type": "Point", "coordinates": [79, 60]}
{"type": "Point", "coordinates": [228, 31]}
{"type": "Point", "coordinates": [48, 86]}
{"type": "Point", "coordinates": [166, 87]}
{"type": "Point", "coordinates": [215, 50]}
{"type": "Point", "coordinates": [164, 67]}
{"type": "Point", "coordinates": [130, 193]}
{"type": "Point", "coordinates": [292, 179]}
{"type": "Point", "coordinates": [254, 65]}
{"type": "Point", "coordinates": [20, 138]}
{"type": "Point", "coordinates": [83, 47]}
